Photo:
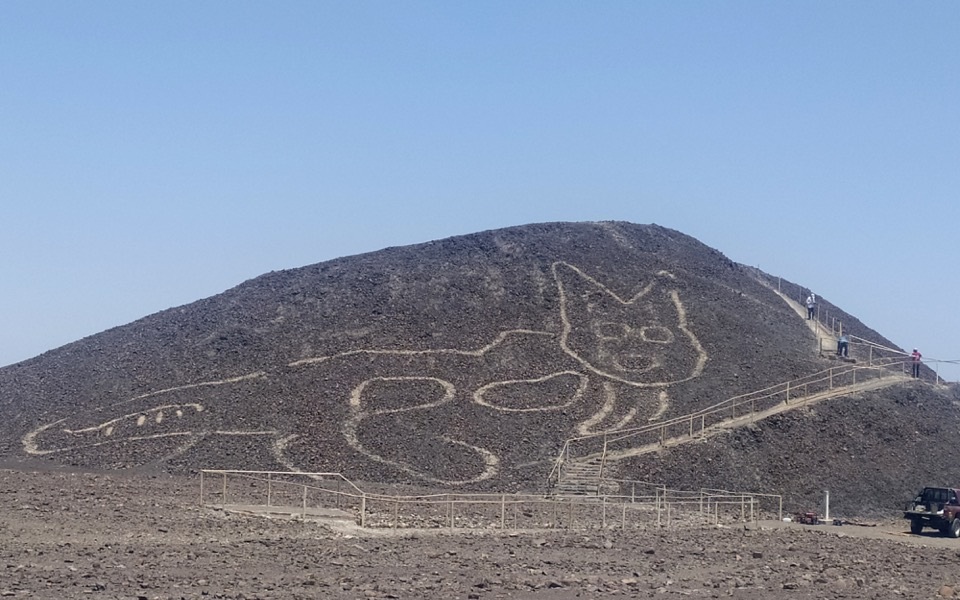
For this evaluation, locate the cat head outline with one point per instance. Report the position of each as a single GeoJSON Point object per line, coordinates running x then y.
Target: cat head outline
{"type": "Point", "coordinates": [642, 341]}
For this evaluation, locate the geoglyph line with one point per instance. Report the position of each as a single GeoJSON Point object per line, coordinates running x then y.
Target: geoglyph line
{"type": "Point", "coordinates": [447, 392]}
{"type": "Point", "coordinates": [478, 352]}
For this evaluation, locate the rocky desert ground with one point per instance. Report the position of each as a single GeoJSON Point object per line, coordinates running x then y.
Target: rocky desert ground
{"type": "Point", "coordinates": [70, 534]}
{"type": "Point", "coordinates": [464, 365]}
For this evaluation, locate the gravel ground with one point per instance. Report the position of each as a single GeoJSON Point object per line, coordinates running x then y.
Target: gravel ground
{"type": "Point", "coordinates": [85, 535]}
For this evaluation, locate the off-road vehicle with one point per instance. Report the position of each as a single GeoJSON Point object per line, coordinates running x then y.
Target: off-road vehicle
{"type": "Point", "coordinates": [937, 508]}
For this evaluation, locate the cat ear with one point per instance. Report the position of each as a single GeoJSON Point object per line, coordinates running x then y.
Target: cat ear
{"type": "Point", "coordinates": [572, 283]}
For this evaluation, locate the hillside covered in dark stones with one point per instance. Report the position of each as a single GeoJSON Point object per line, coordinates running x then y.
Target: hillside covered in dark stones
{"type": "Point", "coordinates": [466, 362]}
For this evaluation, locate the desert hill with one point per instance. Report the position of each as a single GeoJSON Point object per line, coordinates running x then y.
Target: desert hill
{"type": "Point", "coordinates": [467, 362]}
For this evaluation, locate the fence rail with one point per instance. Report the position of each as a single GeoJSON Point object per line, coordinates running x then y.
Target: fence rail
{"type": "Point", "coordinates": [611, 445]}
{"type": "Point", "coordinates": [308, 495]}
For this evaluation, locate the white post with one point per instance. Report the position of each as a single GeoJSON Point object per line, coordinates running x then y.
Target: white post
{"type": "Point", "coordinates": [826, 504]}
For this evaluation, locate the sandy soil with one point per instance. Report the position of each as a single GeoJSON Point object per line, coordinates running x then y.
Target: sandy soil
{"type": "Point", "coordinates": [81, 535]}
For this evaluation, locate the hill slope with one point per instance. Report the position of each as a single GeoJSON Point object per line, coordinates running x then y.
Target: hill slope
{"type": "Point", "coordinates": [465, 362]}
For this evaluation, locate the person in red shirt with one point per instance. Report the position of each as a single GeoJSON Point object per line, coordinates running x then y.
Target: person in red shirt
{"type": "Point", "coordinates": [916, 356]}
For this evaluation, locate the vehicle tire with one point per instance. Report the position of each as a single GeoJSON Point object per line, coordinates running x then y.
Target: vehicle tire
{"type": "Point", "coordinates": [916, 526]}
{"type": "Point", "coordinates": [954, 529]}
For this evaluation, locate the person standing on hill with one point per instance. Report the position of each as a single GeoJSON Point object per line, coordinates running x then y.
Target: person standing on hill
{"type": "Point", "coordinates": [842, 344]}
{"type": "Point", "coordinates": [916, 356]}
{"type": "Point", "coordinates": [811, 305]}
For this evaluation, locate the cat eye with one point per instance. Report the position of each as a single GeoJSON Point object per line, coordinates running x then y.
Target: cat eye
{"type": "Point", "coordinates": [657, 334]}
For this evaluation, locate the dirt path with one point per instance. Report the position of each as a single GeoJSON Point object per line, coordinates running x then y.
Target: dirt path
{"type": "Point", "coordinates": [818, 329]}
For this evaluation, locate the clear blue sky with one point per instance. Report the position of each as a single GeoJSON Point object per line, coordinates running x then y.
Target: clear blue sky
{"type": "Point", "coordinates": [156, 153]}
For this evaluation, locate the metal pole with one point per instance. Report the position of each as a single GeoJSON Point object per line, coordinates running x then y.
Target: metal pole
{"type": "Point", "coordinates": [826, 504]}
{"type": "Point", "coordinates": [223, 500]}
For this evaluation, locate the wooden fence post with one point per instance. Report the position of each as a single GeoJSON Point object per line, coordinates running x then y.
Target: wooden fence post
{"type": "Point", "coordinates": [656, 496]}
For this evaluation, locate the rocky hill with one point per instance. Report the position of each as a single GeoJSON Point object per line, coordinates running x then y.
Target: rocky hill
{"type": "Point", "coordinates": [466, 363]}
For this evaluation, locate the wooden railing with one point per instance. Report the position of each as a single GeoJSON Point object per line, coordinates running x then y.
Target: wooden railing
{"type": "Point", "coordinates": [616, 444]}
{"type": "Point", "coordinates": [307, 495]}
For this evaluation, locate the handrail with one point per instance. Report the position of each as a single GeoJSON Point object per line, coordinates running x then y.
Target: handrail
{"type": "Point", "coordinates": [835, 326]}
{"type": "Point", "coordinates": [732, 404]}
{"type": "Point", "coordinates": [339, 476]}
{"type": "Point", "coordinates": [825, 376]}
{"type": "Point", "coordinates": [793, 383]}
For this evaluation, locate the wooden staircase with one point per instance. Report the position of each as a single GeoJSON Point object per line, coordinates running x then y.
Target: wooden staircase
{"type": "Point", "coordinates": [585, 478]}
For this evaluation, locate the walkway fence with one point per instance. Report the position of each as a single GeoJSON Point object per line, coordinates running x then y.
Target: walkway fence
{"type": "Point", "coordinates": [306, 495]}
{"type": "Point", "coordinates": [612, 445]}
{"type": "Point", "coordinates": [831, 319]}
